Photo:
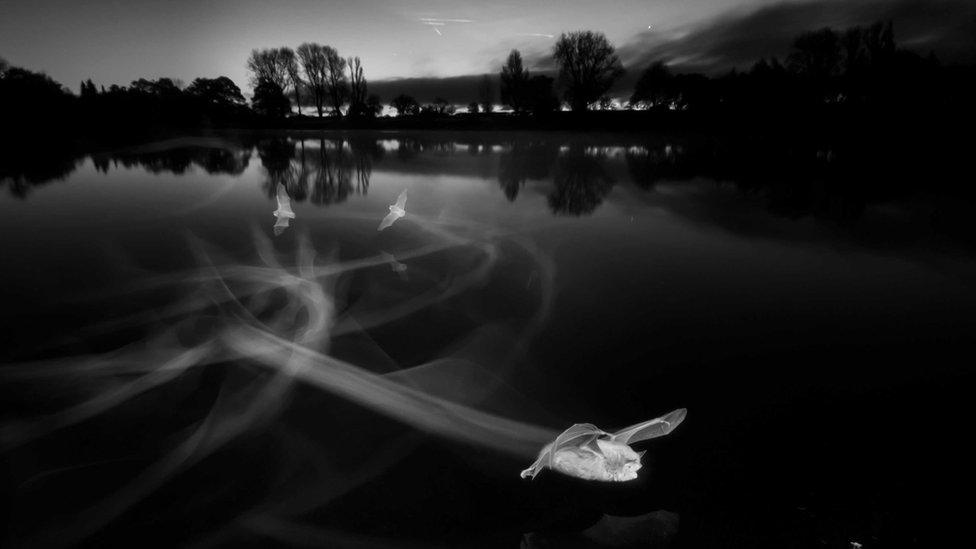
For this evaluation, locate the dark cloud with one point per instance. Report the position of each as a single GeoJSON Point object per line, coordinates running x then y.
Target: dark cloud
{"type": "Point", "coordinates": [459, 90]}
{"type": "Point", "coordinates": [738, 38]}
{"type": "Point", "coordinates": [456, 89]}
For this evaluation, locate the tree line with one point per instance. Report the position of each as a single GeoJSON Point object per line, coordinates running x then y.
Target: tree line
{"type": "Point", "coordinates": [859, 66]}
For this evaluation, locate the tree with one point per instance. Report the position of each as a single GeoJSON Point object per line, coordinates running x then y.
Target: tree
{"type": "Point", "coordinates": [514, 82]}
{"type": "Point", "coordinates": [336, 81]}
{"type": "Point", "coordinates": [816, 54]}
{"type": "Point", "coordinates": [357, 88]}
{"type": "Point", "coordinates": [270, 100]}
{"type": "Point", "coordinates": [162, 87]}
{"type": "Point", "coordinates": [439, 106]}
{"type": "Point", "coordinates": [473, 107]}
{"type": "Point", "coordinates": [294, 74]}
{"type": "Point", "coordinates": [655, 86]}
{"type": "Point", "coordinates": [314, 61]}
{"type": "Point", "coordinates": [269, 64]}
{"type": "Point", "coordinates": [216, 91]}
{"type": "Point", "coordinates": [3, 66]}
{"type": "Point", "coordinates": [27, 96]}
{"type": "Point", "coordinates": [88, 89]}
{"type": "Point", "coordinates": [486, 94]}
{"type": "Point", "coordinates": [588, 66]}
{"type": "Point", "coordinates": [404, 105]}
{"type": "Point", "coordinates": [539, 97]}
{"type": "Point", "coordinates": [374, 105]}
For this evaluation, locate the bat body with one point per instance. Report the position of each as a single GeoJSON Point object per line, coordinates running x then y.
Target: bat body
{"type": "Point", "coordinates": [284, 213]}
{"type": "Point", "coordinates": [395, 266]}
{"type": "Point", "coordinates": [588, 452]}
{"type": "Point", "coordinates": [396, 211]}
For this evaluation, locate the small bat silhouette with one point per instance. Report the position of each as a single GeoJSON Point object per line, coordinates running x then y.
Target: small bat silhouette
{"type": "Point", "coordinates": [396, 211]}
{"type": "Point", "coordinates": [395, 266]}
{"type": "Point", "coordinates": [284, 213]}
{"type": "Point", "coordinates": [588, 452]}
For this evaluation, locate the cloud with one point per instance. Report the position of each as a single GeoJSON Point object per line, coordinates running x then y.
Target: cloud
{"type": "Point", "coordinates": [456, 89]}
{"type": "Point", "coordinates": [738, 38]}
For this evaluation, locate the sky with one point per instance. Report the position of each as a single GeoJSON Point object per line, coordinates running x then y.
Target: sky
{"type": "Point", "coordinates": [115, 42]}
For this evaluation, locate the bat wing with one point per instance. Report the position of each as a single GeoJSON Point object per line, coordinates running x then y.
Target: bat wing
{"type": "Point", "coordinates": [283, 198]}
{"type": "Point", "coordinates": [281, 224]}
{"type": "Point", "coordinates": [402, 199]}
{"type": "Point", "coordinates": [580, 434]}
{"type": "Point", "coordinates": [388, 220]}
{"type": "Point", "coordinates": [656, 427]}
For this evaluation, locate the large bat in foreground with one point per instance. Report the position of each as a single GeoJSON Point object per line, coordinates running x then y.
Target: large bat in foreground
{"type": "Point", "coordinates": [587, 452]}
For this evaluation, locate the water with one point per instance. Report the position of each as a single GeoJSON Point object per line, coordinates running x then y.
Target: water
{"type": "Point", "coordinates": [178, 369]}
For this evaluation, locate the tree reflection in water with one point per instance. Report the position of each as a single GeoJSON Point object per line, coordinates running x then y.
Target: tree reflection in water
{"type": "Point", "coordinates": [581, 181]}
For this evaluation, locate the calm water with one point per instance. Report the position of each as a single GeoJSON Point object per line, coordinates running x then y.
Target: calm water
{"type": "Point", "coordinates": [180, 370]}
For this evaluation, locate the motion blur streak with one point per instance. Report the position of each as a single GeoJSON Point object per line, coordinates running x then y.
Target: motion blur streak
{"type": "Point", "coordinates": [269, 328]}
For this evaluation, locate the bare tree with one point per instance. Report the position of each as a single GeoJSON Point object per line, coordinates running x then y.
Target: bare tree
{"type": "Point", "coordinates": [357, 88]}
{"type": "Point", "coordinates": [514, 81]}
{"type": "Point", "coordinates": [486, 94]}
{"type": "Point", "coordinates": [314, 60]}
{"type": "Point", "coordinates": [268, 64]}
{"type": "Point", "coordinates": [336, 82]}
{"type": "Point", "coordinates": [588, 66]}
{"type": "Point", "coordinates": [294, 74]}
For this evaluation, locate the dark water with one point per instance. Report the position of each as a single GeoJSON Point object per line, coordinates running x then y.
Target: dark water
{"type": "Point", "coordinates": [178, 372]}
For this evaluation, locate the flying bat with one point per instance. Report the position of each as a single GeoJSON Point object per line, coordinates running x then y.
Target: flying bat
{"type": "Point", "coordinates": [395, 266]}
{"type": "Point", "coordinates": [284, 213]}
{"type": "Point", "coordinates": [588, 452]}
{"type": "Point", "coordinates": [396, 211]}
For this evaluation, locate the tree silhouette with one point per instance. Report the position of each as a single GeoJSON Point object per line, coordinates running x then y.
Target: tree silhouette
{"type": "Point", "coordinates": [539, 97]}
{"type": "Point", "coordinates": [405, 104]}
{"type": "Point", "coordinates": [269, 64]}
{"type": "Point", "coordinates": [374, 105]}
{"type": "Point", "coordinates": [290, 61]}
{"type": "Point", "coordinates": [162, 87]}
{"type": "Point", "coordinates": [816, 55]}
{"type": "Point", "coordinates": [473, 107]}
{"type": "Point", "coordinates": [217, 91]}
{"type": "Point", "coordinates": [88, 89]}
{"type": "Point", "coordinates": [357, 89]}
{"type": "Point", "coordinates": [336, 82]}
{"type": "Point", "coordinates": [654, 88]}
{"type": "Point", "coordinates": [514, 83]}
{"type": "Point", "coordinates": [439, 106]}
{"type": "Point", "coordinates": [269, 100]}
{"type": "Point", "coordinates": [314, 59]}
{"type": "Point", "coordinates": [588, 67]}
{"type": "Point", "coordinates": [486, 94]}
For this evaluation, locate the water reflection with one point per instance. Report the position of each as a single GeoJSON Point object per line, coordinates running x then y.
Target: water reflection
{"type": "Point", "coordinates": [581, 181]}
{"type": "Point", "coordinates": [836, 182]}
{"type": "Point", "coordinates": [522, 161]}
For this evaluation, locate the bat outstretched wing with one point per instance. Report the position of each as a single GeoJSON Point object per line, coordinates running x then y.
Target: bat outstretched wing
{"type": "Point", "coordinates": [388, 220]}
{"type": "Point", "coordinates": [402, 199]}
{"type": "Point", "coordinates": [656, 427]}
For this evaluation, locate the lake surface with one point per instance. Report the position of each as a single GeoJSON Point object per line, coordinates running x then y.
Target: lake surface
{"type": "Point", "coordinates": [184, 367]}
